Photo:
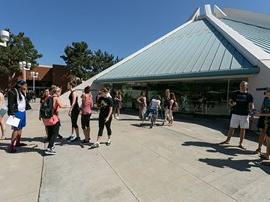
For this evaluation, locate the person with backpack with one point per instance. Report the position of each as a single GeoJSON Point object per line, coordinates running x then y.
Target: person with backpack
{"type": "Point", "coordinates": [86, 111]}
{"type": "Point", "coordinates": [50, 116]}
{"type": "Point", "coordinates": [17, 107]}
{"type": "Point", "coordinates": [43, 99]}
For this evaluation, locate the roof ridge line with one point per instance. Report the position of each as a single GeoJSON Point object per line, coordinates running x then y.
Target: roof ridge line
{"type": "Point", "coordinates": [253, 53]}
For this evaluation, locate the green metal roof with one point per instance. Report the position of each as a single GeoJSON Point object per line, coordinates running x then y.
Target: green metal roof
{"type": "Point", "coordinates": [197, 50]}
{"type": "Point", "coordinates": [258, 35]}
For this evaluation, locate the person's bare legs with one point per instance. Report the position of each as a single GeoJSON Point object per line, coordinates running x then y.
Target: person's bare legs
{"type": "Point", "coordinates": [2, 127]}
{"type": "Point", "coordinates": [118, 112]}
{"type": "Point", "coordinates": [242, 137]}
{"type": "Point", "coordinates": [229, 136]}
{"type": "Point", "coordinates": [261, 140]}
{"type": "Point", "coordinates": [86, 133]}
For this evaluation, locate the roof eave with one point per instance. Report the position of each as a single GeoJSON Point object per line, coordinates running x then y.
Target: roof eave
{"type": "Point", "coordinates": [182, 76]}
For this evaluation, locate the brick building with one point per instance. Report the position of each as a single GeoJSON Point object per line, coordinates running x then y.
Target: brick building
{"type": "Point", "coordinates": [48, 75]}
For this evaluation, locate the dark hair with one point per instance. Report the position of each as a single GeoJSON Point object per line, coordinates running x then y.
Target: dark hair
{"type": "Point", "coordinates": [87, 89]}
{"type": "Point", "coordinates": [158, 97]}
{"type": "Point", "coordinates": [72, 84]}
{"type": "Point", "coordinates": [142, 93]}
{"type": "Point", "coordinates": [172, 96]}
{"type": "Point", "coordinates": [104, 90]}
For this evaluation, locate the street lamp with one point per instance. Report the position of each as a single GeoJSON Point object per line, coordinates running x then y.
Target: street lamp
{"type": "Point", "coordinates": [34, 75]}
{"type": "Point", "coordinates": [4, 36]}
{"type": "Point", "coordinates": [24, 66]}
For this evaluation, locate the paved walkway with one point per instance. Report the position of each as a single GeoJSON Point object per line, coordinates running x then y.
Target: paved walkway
{"type": "Point", "coordinates": [179, 163]}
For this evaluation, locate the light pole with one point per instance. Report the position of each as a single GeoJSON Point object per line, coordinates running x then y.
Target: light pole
{"type": "Point", "coordinates": [24, 66]}
{"type": "Point", "coordinates": [4, 38]}
{"type": "Point", "coordinates": [34, 75]}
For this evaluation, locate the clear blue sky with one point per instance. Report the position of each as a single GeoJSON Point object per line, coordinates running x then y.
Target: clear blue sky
{"type": "Point", "coordinates": [118, 26]}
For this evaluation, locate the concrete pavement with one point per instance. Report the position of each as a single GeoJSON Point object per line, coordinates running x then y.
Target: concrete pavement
{"type": "Point", "coordinates": [179, 163]}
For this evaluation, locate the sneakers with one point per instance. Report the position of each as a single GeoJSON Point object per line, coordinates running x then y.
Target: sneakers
{"type": "Point", "coordinates": [108, 143]}
{"type": "Point", "coordinates": [50, 151]}
{"type": "Point", "coordinates": [96, 145]}
{"type": "Point", "coordinates": [59, 136]}
{"type": "Point", "coordinates": [85, 141]}
{"type": "Point", "coordinates": [73, 138]}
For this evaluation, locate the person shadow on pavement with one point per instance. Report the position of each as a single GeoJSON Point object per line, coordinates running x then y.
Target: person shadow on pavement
{"type": "Point", "coordinates": [26, 149]}
{"type": "Point", "coordinates": [230, 162]}
{"type": "Point", "coordinates": [217, 148]}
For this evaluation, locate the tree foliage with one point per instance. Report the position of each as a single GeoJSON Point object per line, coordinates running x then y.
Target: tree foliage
{"type": "Point", "coordinates": [19, 48]}
{"type": "Point", "coordinates": [85, 63]}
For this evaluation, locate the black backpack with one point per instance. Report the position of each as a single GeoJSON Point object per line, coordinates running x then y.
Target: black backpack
{"type": "Point", "coordinates": [46, 108]}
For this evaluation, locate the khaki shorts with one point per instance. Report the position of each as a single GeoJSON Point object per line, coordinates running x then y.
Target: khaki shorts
{"type": "Point", "coordinates": [239, 120]}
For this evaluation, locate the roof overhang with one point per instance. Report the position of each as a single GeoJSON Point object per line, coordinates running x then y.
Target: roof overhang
{"type": "Point", "coordinates": [187, 76]}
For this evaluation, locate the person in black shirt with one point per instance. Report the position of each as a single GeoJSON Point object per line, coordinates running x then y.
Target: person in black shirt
{"type": "Point", "coordinates": [73, 113]}
{"type": "Point", "coordinates": [105, 104]}
{"type": "Point", "coordinates": [242, 103]}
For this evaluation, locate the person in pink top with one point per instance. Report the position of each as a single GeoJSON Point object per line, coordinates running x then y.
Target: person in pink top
{"type": "Point", "coordinates": [53, 124]}
{"type": "Point", "coordinates": [86, 111]}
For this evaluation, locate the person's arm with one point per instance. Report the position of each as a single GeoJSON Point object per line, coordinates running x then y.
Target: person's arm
{"type": "Point", "coordinates": [171, 104]}
{"type": "Point", "coordinates": [138, 100]}
{"type": "Point", "coordinates": [91, 102]}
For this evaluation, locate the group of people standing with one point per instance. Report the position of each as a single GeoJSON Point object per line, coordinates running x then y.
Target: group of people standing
{"type": "Point", "coordinates": [242, 107]}
{"type": "Point", "coordinates": [52, 123]}
{"type": "Point", "coordinates": [156, 105]}
{"type": "Point", "coordinates": [241, 103]}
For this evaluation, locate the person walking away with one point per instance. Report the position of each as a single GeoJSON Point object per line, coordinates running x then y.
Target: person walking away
{"type": "Point", "coordinates": [242, 103]}
{"type": "Point", "coordinates": [154, 107]}
{"type": "Point", "coordinates": [166, 106]}
{"type": "Point", "coordinates": [3, 111]}
{"type": "Point", "coordinates": [17, 106]}
{"type": "Point", "coordinates": [73, 113]}
{"type": "Point", "coordinates": [105, 104]}
{"type": "Point", "coordinates": [86, 111]}
{"type": "Point", "coordinates": [53, 123]}
{"type": "Point", "coordinates": [117, 104]}
{"type": "Point", "coordinates": [171, 108]}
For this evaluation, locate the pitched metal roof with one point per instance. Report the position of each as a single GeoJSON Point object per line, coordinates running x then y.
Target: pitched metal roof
{"type": "Point", "coordinates": [260, 36]}
{"type": "Point", "coordinates": [196, 50]}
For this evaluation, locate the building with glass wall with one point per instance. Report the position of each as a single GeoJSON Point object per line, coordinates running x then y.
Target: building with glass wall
{"type": "Point", "coordinates": [202, 61]}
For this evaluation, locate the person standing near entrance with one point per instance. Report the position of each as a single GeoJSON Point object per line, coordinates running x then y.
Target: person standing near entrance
{"type": "Point", "coordinates": [117, 104]}
{"type": "Point", "coordinates": [86, 111]}
{"type": "Point", "coordinates": [171, 108]}
{"type": "Point", "coordinates": [261, 121]}
{"type": "Point", "coordinates": [105, 105]}
{"type": "Point", "coordinates": [166, 106]}
{"type": "Point", "coordinates": [242, 103]}
{"type": "Point", "coordinates": [17, 106]}
{"type": "Point", "coordinates": [73, 113]}
{"type": "Point", "coordinates": [142, 105]}
{"type": "Point", "coordinates": [2, 114]}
